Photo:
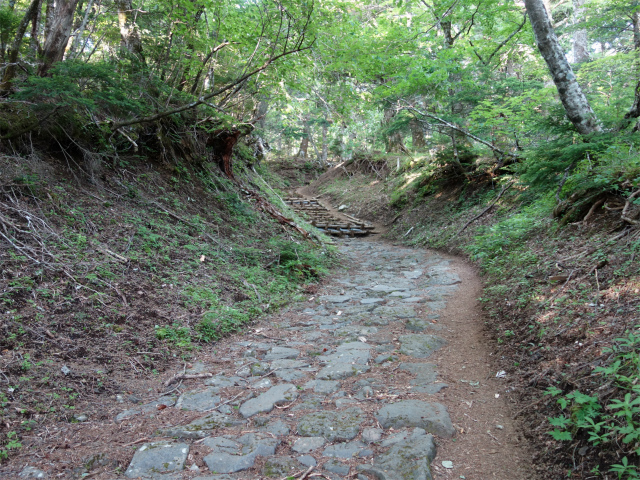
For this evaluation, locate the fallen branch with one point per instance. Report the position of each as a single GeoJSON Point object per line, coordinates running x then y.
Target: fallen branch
{"type": "Point", "coordinates": [625, 210]}
{"type": "Point", "coordinates": [504, 189]}
{"type": "Point", "coordinates": [183, 376]}
{"type": "Point", "coordinates": [140, 440]}
{"type": "Point", "coordinates": [461, 130]}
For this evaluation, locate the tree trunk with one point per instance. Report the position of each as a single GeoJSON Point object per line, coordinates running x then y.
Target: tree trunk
{"type": "Point", "coordinates": [580, 37]}
{"type": "Point", "coordinates": [129, 36]}
{"type": "Point", "coordinates": [393, 141]}
{"type": "Point", "coordinates": [222, 143]}
{"type": "Point", "coordinates": [304, 143]}
{"type": "Point", "coordinates": [80, 30]}
{"type": "Point", "coordinates": [325, 145]}
{"type": "Point", "coordinates": [56, 43]}
{"type": "Point", "coordinates": [573, 99]}
{"type": "Point", "coordinates": [636, 31]}
{"type": "Point", "coordinates": [634, 111]}
{"type": "Point", "coordinates": [10, 71]}
{"type": "Point", "coordinates": [417, 135]}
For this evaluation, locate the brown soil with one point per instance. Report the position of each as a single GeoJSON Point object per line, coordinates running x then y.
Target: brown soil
{"type": "Point", "coordinates": [490, 444]}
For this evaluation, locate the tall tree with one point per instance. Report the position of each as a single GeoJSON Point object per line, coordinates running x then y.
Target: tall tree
{"type": "Point", "coordinates": [129, 34]}
{"type": "Point", "coordinates": [14, 50]}
{"type": "Point", "coordinates": [580, 36]}
{"type": "Point", "coordinates": [59, 31]}
{"type": "Point", "coordinates": [571, 95]}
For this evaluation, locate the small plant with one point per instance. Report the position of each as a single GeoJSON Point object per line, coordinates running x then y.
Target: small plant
{"type": "Point", "coordinates": [619, 420]}
{"type": "Point", "coordinates": [11, 443]}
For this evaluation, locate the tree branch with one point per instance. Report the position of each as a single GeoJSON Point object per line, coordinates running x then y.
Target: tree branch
{"type": "Point", "coordinates": [152, 118]}
{"type": "Point", "coordinates": [459, 129]}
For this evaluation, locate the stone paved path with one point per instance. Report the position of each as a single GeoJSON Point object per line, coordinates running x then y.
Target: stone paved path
{"type": "Point", "coordinates": [341, 383]}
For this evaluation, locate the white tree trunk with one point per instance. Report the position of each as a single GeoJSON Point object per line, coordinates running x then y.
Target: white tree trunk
{"type": "Point", "coordinates": [573, 99]}
{"type": "Point", "coordinates": [580, 37]}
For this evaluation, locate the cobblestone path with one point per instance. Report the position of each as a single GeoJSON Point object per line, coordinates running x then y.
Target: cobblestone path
{"type": "Point", "coordinates": [337, 387]}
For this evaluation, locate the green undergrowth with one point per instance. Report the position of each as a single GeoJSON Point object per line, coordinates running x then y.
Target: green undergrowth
{"type": "Point", "coordinates": [117, 281]}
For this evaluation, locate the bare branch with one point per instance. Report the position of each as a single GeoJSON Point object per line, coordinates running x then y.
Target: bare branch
{"type": "Point", "coordinates": [461, 130]}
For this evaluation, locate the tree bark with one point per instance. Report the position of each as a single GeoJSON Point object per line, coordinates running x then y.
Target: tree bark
{"type": "Point", "coordinates": [571, 95]}
{"type": "Point", "coordinates": [56, 42]}
{"type": "Point", "coordinates": [304, 143]}
{"type": "Point", "coordinates": [80, 30]}
{"type": "Point", "coordinates": [12, 58]}
{"type": "Point", "coordinates": [129, 35]}
{"type": "Point", "coordinates": [325, 145]}
{"type": "Point", "coordinates": [636, 30]}
{"type": "Point", "coordinates": [580, 37]}
{"type": "Point", "coordinates": [417, 134]}
{"type": "Point", "coordinates": [393, 141]}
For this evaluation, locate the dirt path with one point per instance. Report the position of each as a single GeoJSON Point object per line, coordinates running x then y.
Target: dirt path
{"type": "Point", "coordinates": [384, 374]}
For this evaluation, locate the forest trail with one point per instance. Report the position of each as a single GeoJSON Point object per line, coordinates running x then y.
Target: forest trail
{"type": "Point", "coordinates": [383, 373]}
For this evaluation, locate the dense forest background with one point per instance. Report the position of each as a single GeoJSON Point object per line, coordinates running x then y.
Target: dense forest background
{"type": "Point", "coordinates": [537, 101]}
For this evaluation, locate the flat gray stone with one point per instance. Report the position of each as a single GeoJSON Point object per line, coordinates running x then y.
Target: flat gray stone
{"type": "Point", "coordinates": [308, 444]}
{"type": "Point", "coordinates": [432, 417]}
{"type": "Point", "coordinates": [151, 460]}
{"type": "Point", "coordinates": [280, 353]}
{"type": "Point", "coordinates": [32, 472]}
{"type": "Point", "coordinates": [231, 454]}
{"type": "Point", "coordinates": [420, 346]}
{"type": "Point", "coordinates": [335, 298]}
{"type": "Point", "coordinates": [323, 386]}
{"type": "Point", "coordinates": [285, 363]}
{"type": "Point", "coordinates": [347, 450]}
{"type": "Point", "coordinates": [385, 358]}
{"type": "Point", "coordinates": [372, 435]}
{"type": "Point", "coordinates": [420, 325]}
{"type": "Point", "coordinates": [259, 368]}
{"type": "Point", "coordinates": [199, 401]}
{"type": "Point", "coordinates": [340, 371]}
{"type": "Point", "coordinates": [403, 294]}
{"type": "Point", "coordinates": [371, 301]}
{"type": "Point", "coordinates": [355, 331]}
{"type": "Point", "coordinates": [277, 427]}
{"type": "Point", "coordinates": [399, 311]}
{"type": "Point", "coordinates": [334, 426]}
{"type": "Point", "coordinates": [221, 381]}
{"type": "Point", "coordinates": [266, 401]}
{"type": "Point", "coordinates": [262, 383]}
{"type": "Point", "coordinates": [413, 300]}
{"type": "Point", "coordinates": [336, 466]}
{"type": "Point", "coordinates": [307, 460]}
{"type": "Point", "coordinates": [387, 289]}
{"type": "Point", "coordinates": [290, 375]}
{"type": "Point", "coordinates": [413, 274]}
{"type": "Point", "coordinates": [409, 459]}
{"type": "Point", "coordinates": [279, 467]}
{"type": "Point", "coordinates": [352, 352]}
{"type": "Point", "coordinates": [201, 427]}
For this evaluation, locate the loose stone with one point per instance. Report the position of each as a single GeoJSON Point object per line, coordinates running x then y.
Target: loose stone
{"type": "Point", "coordinates": [265, 402]}
{"type": "Point", "coordinates": [420, 346]}
{"type": "Point", "coordinates": [153, 458]}
{"type": "Point", "coordinates": [433, 417]}
{"type": "Point", "coordinates": [231, 454]}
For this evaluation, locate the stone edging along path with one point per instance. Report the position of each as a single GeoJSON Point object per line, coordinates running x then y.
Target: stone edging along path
{"type": "Point", "coordinates": [340, 386]}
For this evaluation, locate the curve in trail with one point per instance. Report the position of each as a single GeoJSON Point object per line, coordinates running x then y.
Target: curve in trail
{"type": "Point", "coordinates": [359, 381]}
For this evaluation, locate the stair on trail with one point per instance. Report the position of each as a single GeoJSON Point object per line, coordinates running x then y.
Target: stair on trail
{"type": "Point", "coordinates": [325, 221]}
